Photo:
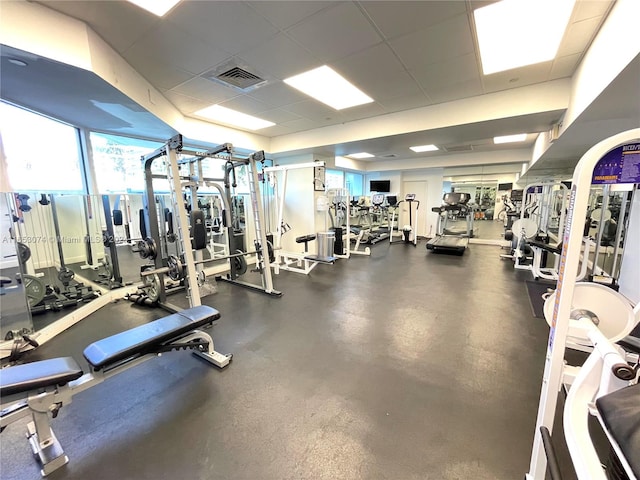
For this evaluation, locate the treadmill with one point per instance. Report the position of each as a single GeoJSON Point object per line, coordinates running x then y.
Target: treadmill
{"type": "Point", "coordinates": [450, 239]}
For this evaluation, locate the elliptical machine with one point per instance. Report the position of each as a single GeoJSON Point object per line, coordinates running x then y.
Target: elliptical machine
{"type": "Point", "coordinates": [409, 234]}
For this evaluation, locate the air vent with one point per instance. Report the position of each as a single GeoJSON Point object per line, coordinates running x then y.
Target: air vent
{"type": "Point", "coordinates": [459, 148]}
{"type": "Point", "coordinates": [390, 155]}
{"type": "Point", "coordinates": [240, 78]}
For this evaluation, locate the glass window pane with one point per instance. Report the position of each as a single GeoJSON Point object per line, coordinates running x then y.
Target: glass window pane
{"type": "Point", "coordinates": [41, 154]}
{"type": "Point", "coordinates": [118, 166]}
{"type": "Point", "coordinates": [355, 182]}
{"type": "Point", "coordinates": [334, 179]}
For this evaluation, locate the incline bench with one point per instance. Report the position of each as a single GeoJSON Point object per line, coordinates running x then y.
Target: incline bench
{"type": "Point", "coordinates": [42, 388]}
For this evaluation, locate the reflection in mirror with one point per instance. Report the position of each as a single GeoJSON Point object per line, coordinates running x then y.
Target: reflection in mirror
{"type": "Point", "coordinates": [483, 205]}
{"type": "Point", "coordinates": [55, 241]}
{"type": "Point", "coordinates": [15, 319]}
{"type": "Point", "coordinates": [607, 220]}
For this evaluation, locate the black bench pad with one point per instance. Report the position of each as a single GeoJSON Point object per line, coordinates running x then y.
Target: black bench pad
{"type": "Point", "coordinates": [35, 375]}
{"type": "Point", "coordinates": [148, 338]}
{"type": "Point", "coordinates": [557, 249]}
{"type": "Point", "coordinates": [306, 238]}
{"type": "Point", "coordinates": [620, 412]}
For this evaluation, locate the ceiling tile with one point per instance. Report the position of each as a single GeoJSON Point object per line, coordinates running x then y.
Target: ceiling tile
{"type": "Point", "coordinates": [245, 104]}
{"type": "Point", "coordinates": [280, 57]}
{"type": "Point", "coordinates": [278, 94]}
{"type": "Point", "coordinates": [312, 110]}
{"type": "Point", "coordinates": [564, 66]}
{"type": "Point", "coordinates": [377, 72]}
{"type": "Point", "coordinates": [177, 48]}
{"type": "Point", "coordinates": [277, 115]}
{"type": "Point", "coordinates": [451, 71]}
{"type": "Point", "coordinates": [300, 125]}
{"type": "Point", "coordinates": [399, 18]}
{"type": "Point", "coordinates": [585, 9]}
{"type": "Point", "coordinates": [578, 36]}
{"type": "Point", "coordinates": [159, 73]}
{"type": "Point", "coordinates": [284, 14]}
{"type": "Point", "coordinates": [523, 76]}
{"type": "Point", "coordinates": [232, 26]}
{"type": "Point", "coordinates": [405, 102]}
{"type": "Point", "coordinates": [362, 111]}
{"type": "Point", "coordinates": [455, 91]}
{"type": "Point", "coordinates": [274, 131]}
{"type": "Point", "coordinates": [451, 38]}
{"type": "Point", "coordinates": [206, 90]}
{"type": "Point", "coordinates": [185, 104]}
{"type": "Point", "coordinates": [335, 32]}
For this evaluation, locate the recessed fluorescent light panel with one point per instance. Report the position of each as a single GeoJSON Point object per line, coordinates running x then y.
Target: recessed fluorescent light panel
{"type": "Point", "coordinates": [424, 148]}
{"type": "Point", "coordinates": [329, 87]}
{"type": "Point", "coordinates": [232, 117]}
{"type": "Point", "coordinates": [515, 33]}
{"type": "Point", "coordinates": [360, 155]}
{"type": "Point", "coordinates": [157, 7]}
{"type": "Point", "coordinates": [520, 137]}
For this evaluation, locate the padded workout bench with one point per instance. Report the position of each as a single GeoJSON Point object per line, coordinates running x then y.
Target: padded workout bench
{"type": "Point", "coordinates": [42, 388]}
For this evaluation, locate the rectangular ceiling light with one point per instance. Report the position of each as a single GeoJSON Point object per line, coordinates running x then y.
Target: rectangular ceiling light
{"type": "Point", "coordinates": [157, 7]}
{"type": "Point", "coordinates": [329, 87]}
{"type": "Point", "coordinates": [520, 137]}
{"type": "Point", "coordinates": [424, 148]}
{"type": "Point", "coordinates": [360, 155]}
{"type": "Point", "coordinates": [515, 33]}
{"type": "Point", "coordinates": [232, 117]}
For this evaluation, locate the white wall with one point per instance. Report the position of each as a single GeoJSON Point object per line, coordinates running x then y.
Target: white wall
{"type": "Point", "coordinates": [629, 278]}
{"type": "Point", "coordinates": [433, 177]}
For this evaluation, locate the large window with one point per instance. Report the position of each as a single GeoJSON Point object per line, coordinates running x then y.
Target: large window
{"type": "Point", "coordinates": [41, 154]}
{"type": "Point", "coordinates": [334, 179]}
{"type": "Point", "coordinates": [117, 162]}
{"type": "Point", "coordinates": [354, 183]}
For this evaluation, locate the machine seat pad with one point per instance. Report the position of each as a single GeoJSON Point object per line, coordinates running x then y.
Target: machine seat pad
{"type": "Point", "coordinates": [306, 238]}
{"type": "Point", "coordinates": [620, 413]}
{"type": "Point", "coordinates": [36, 375]}
{"type": "Point", "coordinates": [148, 338]}
{"type": "Point", "coordinates": [630, 343]}
{"type": "Point", "coordinates": [557, 249]}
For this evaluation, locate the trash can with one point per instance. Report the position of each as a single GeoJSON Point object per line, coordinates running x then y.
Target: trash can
{"type": "Point", "coordinates": [326, 241]}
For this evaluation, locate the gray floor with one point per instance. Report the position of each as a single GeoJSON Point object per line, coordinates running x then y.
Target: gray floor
{"type": "Point", "coordinates": [404, 365]}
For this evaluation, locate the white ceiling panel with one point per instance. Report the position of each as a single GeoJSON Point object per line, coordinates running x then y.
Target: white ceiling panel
{"type": "Point", "coordinates": [564, 66]}
{"type": "Point", "coordinates": [274, 131]}
{"type": "Point", "coordinates": [278, 116]}
{"type": "Point", "coordinates": [206, 90]}
{"type": "Point", "coordinates": [455, 91]}
{"type": "Point", "coordinates": [518, 77]}
{"type": "Point", "coordinates": [245, 104]}
{"type": "Point", "coordinates": [406, 102]}
{"type": "Point", "coordinates": [578, 36]}
{"type": "Point", "coordinates": [312, 110]}
{"type": "Point", "coordinates": [284, 14]}
{"type": "Point", "coordinates": [362, 111]}
{"type": "Point", "coordinates": [156, 70]}
{"type": "Point", "coordinates": [336, 32]}
{"type": "Point", "coordinates": [231, 26]}
{"type": "Point", "coordinates": [399, 18]}
{"type": "Point", "coordinates": [451, 38]}
{"type": "Point", "coordinates": [451, 71]}
{"type": "Point", "coordinates": [585, 9]}
{"type": "Point", "coordinates": [183, 103]}
{"type": "Point", "coordinates": [132, 22]}
{"type": "Point", "coordinates": [278, 94]}
{"type": "Point", "coordinates": [300, 125]}
{"type": "Point", "coordinates": [182, 49]}
{"type": "Point", "coordinates": [281, 57]}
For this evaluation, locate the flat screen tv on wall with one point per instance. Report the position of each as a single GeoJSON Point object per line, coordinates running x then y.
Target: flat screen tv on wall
{"type": "Point", "coordinates": [381, 186]}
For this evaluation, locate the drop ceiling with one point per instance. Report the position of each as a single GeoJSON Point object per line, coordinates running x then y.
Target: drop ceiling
{"type": "Point", "coordinates": [405, 55]}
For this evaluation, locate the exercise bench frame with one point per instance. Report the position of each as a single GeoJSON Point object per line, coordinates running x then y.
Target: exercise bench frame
{"type": "Point", "coordinates": [42, 388]}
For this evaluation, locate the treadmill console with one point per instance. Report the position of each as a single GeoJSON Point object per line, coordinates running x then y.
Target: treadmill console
{"type": "Point", "coordinates": [409, 197]}
{"type": "Point", "coordinates": [377, 199]}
